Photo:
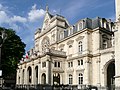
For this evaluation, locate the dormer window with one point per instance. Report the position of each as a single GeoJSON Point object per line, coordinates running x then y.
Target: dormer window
{"type": "Point", "coordinates": [80, 25]}
{"type": "Point", "coordinates": [104, 44]}
{"type": "Point", "coordinates": [61, 35]}
{"type": "Point", "coordinates": [104, 41]}
{"type": "Point", "coordinates": [70, 31]}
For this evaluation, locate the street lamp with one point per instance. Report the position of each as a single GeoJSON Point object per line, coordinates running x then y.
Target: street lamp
{"type": "Point", "coordinates": [3, 36]}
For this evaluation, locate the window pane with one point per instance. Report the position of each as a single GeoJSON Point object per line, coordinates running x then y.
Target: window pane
{"type": "Point", "coordinates": [81, 62]}
{"type": "Point", "coordinates": [78, 62]}
{"type": "Point", "coordinates": [55, 64]}
{"type": "Point", "coordinates": [58, 64]}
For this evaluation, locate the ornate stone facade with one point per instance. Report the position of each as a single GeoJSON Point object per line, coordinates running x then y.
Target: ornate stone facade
{"type": "Point", "coordinates": [83, 53]}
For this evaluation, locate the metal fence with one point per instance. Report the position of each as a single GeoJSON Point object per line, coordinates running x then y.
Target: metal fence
{"type": "Point", "coordinates": [55, 87]}
{"type": "Point", "coordinates": [60, 87]}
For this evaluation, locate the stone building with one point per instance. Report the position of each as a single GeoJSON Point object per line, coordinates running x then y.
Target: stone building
{"type": "Point", "coordinates": [86, 53]}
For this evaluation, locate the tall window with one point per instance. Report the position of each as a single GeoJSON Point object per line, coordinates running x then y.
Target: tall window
{"type": "Point", "coordinates": [70, 79]}
{"type": "Point", "coordinates": [80, 62]}
{"type": "Point", "coordinates": [105, 41]}
{"type": "Point", "coordinates": [70, 64]}
{"type": "Point", "coordinates": [104, 44]}
{"type": "Point", "coordinates": [70, 31]}
{"type": "Point", "coordinates": [57, 64]}
{"type": "Point", "coordinates": [80, 46]}
{"type": "Point", "coordinates": [80, 78]}
{"type": "Point", "coordinates": [29, 74]}
{"type": "Point", "coordinates": [61, 35]}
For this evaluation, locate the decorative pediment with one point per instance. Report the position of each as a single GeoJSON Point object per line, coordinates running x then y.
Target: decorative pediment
{"type": "Point", "coordinates": [70, 42]}
{"type": "Point", "coordinates": [47, 19]}
{"type": "Point", "coordinates": [79, 38]}
{"type": "Point", "coordinates": [61, 45]}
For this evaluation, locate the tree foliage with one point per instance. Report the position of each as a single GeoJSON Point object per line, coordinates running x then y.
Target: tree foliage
{"type": "Point", "coordinates": [12, 52]}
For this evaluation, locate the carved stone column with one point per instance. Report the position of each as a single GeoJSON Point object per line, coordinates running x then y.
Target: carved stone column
{"type": "Point", "coordinates": [48, 70]}
{"type": "Point", "coordinates": [33, 73]}
{"type": "Point", "coordinates": [26, 76]}
{"type": "Point", "coordinates": [39, 72]}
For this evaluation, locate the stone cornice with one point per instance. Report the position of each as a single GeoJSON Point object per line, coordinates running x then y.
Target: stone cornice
{"type": "Point", "coordinates": [80, 56]}
{"type": "Point", "coordinates": [81, 31]}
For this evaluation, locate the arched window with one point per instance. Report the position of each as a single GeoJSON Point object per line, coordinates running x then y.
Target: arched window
{"type": "Point", "coordinates": [43, 78]}
{"type": "Point", "coordinates": [80, 46]}
{"type": "Point", "coordinates": [80, 78]}
{"type": "Point", "coordinates": [45, 44]}
{"type": "Point", "coordinates": [70, 79]}
{"type": "Point", "coordinates": [29, 75]}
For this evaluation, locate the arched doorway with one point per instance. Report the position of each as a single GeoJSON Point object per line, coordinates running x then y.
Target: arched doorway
{"type": "Point", "coordinates": [56, 79]}
{"type": "Point", "coordinates": [110, 75]}
{"type": "Point", "coordinates": [43, 78]}
{"type": "Point", "coordinates": [29, 75]}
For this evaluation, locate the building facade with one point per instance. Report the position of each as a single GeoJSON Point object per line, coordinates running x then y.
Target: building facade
{"type": "Point", "coordinates": [86, 53]}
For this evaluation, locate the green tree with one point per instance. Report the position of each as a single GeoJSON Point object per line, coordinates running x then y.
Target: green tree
{"type": "Point", "coordinates": [12, 52]}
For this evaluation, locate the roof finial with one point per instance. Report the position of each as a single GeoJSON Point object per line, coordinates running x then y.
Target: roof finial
{"type": "Point", "coordinates": [47, 9]}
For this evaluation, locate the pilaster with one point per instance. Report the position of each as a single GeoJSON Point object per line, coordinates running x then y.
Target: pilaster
{"type": "Point", "coordinates": [33, 73]}
{"type": "Point", "coordinates": [39, 72]}
{"type": "Point", "coordinates": [48, 68]}
{"type": "Point", "coordinates": [87, 71]}
{"type": "Point", "coordinates": [98, 71]}
{"type": "Point", "coordinates": [26, 76]}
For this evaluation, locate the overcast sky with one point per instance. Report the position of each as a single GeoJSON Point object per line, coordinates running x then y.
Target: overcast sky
{"type": "Point", "coordinates": [25, 16]}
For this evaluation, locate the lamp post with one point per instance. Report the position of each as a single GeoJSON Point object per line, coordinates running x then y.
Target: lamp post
{"type": "Point", "coordinates": [2, 39]}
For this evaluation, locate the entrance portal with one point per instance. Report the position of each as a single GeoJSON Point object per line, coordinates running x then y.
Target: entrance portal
{"type": "Point", "coordinates": [56, 79]}
{"type": "Point", "coordinates": [43, 79]}
{"type": "Point", "coordinates": [110, 75]}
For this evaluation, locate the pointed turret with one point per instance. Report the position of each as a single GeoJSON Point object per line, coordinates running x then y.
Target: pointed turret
{"type": "Point", "coordinates": [47, 8]}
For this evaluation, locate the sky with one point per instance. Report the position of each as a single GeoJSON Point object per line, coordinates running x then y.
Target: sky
{"type": "Point", "coordinates": [25, 16]}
